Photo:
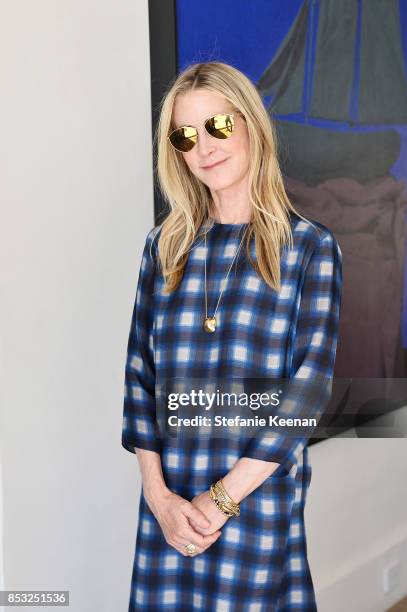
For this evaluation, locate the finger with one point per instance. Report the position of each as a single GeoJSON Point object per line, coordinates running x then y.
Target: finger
{"type": "Point", "coordinates": [186, 534]}
{"type": "Point", "coordinates": [208, 540]}
{"type": "Point", "coordinates": [192, 512]}
{"type": "Point", "coordinates": [192, 537]}
{"type": "Point", "coordinates": [210, 543]}
{"type": "Point", "coordinates": [201, 549]}
{"type": "Point", "coordinates": [181, 548]}
{"type": "Point", "coordinates": [198, 539]}
{"type": "Point", "coordinates": [211, 539]}
{"type": "Point", "coordinates": [201, 530]}
{"type": "Point", "coordinates": [204, 532]}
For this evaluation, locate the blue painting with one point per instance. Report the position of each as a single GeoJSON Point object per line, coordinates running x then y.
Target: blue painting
{"type": "Point", "coordinates": [332, 74]}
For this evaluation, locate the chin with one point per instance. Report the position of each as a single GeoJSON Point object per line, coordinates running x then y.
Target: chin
{"type": "Point", "coordinates": [220, 183]}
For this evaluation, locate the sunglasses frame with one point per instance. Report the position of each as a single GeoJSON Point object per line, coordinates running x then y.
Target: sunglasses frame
{"type": "Point", "coordinates": [204, 123]}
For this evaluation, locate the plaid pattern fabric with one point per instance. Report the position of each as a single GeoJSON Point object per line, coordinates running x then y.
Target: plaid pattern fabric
{"type": "Point", "coordinates": [259, 563]}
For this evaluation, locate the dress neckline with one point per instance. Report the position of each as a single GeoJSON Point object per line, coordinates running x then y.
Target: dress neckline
{"type": "Point", "coordinates": [230, 224]}
{"type": "Point", "coordinates": [212, 223]}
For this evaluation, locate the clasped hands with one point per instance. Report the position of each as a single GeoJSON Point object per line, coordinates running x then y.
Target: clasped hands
{"type": "Point", "coordinates": [199, 521]}
{"type": "Point", "coordinates": [185, 522]}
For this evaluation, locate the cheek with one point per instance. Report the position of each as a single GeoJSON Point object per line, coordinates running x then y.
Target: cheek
{"type": "Point", "coordinates": [191, 161]}
{"type": "Point", "coordinates": [246, 144]}
{"type": "Point", "coordinates": [240, 147]}
{"type": "Point", "coordinates": [242, 155]}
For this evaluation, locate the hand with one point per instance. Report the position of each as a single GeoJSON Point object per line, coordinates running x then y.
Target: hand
{"type": "Point", "coordinates": [215, 516]}
{"type": "Point", "coordinates": [175, 516]}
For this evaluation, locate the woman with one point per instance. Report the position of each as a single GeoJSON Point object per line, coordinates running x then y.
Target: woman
{"type": "Point", "coordinates": [221, 525]}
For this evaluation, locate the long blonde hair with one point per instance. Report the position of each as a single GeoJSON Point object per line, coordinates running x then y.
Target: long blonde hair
{"type": "Point", "coordinates": [190, 200]}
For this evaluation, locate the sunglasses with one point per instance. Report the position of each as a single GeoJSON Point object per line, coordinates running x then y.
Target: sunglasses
{"type": "Point", "coordinates": [185, 138]}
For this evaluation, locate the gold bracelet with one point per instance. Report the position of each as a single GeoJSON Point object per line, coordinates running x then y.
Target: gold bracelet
{"type": "Point", "coordinates": [220, 505]}
{"type": "Point", "coordinates": [232, 507]}
{"type": "Point", "coordinates": [220, 487]}
{"type": "Point", "coordinates": [223, 501]}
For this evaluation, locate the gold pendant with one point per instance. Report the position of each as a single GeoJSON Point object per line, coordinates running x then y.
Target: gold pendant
{"type": "Point", "coordinates": [210, 324]}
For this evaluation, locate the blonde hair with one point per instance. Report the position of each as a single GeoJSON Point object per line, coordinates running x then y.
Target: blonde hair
{"type": "Point", "coordinates": [190, 200]}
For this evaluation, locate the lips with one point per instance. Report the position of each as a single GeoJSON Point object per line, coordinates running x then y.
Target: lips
{"type": "Point", "coordinates": [214, 165]}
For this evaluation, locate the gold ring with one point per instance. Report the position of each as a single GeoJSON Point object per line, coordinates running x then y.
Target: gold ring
{"type": "Point", "coordinates": [191, 548]}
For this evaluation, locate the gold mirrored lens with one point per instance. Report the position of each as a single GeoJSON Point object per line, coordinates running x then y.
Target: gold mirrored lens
{"type": "Point", "coordinates": [184, 138]}
{"type": "Point", "coordinates": [220, 126]}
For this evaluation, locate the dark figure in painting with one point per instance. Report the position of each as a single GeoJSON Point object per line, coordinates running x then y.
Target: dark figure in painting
{"type": "Point", "coordinates": [342, 62]}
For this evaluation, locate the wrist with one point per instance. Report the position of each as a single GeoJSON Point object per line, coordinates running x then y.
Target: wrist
{"type": "Point", "coordinates": [156, 493]}
{"type": "Point", "coordinates": [233, 487]}
{"type": "Point", "coordinates": [222, 499]}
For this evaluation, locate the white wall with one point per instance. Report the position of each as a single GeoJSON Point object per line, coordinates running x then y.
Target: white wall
{"type": "Point", "coordinates": [75, 154]}
{"type": "Point", "coordinates": [356, 517]}
{"type": "Point", "coordinates": [76, 187]}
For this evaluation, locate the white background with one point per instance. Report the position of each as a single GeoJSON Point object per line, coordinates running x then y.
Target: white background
{"type": "Point", "coordinates": [77, 192]}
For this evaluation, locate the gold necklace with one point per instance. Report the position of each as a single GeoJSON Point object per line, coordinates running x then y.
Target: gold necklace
{"type": "Point", "coordinates": [210, 322]}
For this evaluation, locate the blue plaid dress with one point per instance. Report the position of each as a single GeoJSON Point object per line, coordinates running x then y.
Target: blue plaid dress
{"type": "Point", "coordinates": [259, 563]}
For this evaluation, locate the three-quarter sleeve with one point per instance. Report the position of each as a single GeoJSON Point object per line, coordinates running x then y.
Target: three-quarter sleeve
{"type": "Point", "coordinates": [312, 349]}
{"type": "Point", "coordinates": [139, 411]}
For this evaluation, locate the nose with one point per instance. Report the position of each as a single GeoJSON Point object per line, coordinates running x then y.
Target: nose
{"type": "Point", "coordinates": [206, 143]}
